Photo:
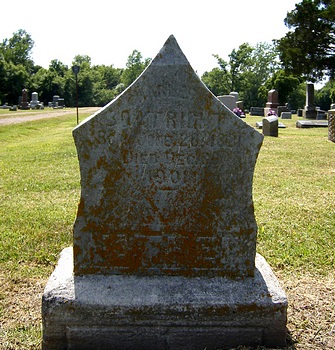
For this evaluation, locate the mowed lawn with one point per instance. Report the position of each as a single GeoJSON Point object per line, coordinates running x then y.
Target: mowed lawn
{"type": "Point", "coordinates": [294, 201]}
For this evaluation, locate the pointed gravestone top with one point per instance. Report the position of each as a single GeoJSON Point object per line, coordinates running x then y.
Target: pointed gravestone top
{"type": "Point", "coordinates": [166, 180]}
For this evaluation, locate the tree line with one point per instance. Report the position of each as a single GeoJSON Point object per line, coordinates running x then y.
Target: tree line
{"type": "Point", "coordinates": [97, 84]}
{"type": "Point", "coordinates": [305, 53]}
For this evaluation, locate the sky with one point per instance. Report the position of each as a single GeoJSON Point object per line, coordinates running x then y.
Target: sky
{"type": "Point", "coordinates": [108, 31]}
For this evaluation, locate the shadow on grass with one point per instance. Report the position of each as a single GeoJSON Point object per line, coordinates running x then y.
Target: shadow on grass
{"type": "Point", "coordinates": [290, 341]}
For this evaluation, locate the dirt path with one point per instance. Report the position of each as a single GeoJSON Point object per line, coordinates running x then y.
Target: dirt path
{"type": "Point", "coordinates": [21, 117]}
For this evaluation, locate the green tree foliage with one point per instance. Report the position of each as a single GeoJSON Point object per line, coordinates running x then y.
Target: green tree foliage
{"type": "Point", "coordinates": [308, 48]}
{"type": "Point", "coordinates": [16, 65]}
{"type": "Point", "coordinates": [18, 48]}
{"type": "Point", "coordinates": [325, 96]}
{"type": "Point", "coordinates": [107, 79]}
{"type": "Point", "coordinates": [16, 78]}
{"type": "Point", "coordinates": [134, 67]}
{"type": "Point", "coordinates": [246, 71]}
{"type": "Point", "coordinates": [288, 87]}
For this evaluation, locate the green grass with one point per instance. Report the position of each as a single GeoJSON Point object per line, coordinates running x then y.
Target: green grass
{"type": "Point", "coordinates": [293, 190]}
{"type": "Point", "coordinates": [295, 200]}
{"type": "Point", "coordinates": [293, 194]}
{"type": "Point", "coordinates": [39, 190]}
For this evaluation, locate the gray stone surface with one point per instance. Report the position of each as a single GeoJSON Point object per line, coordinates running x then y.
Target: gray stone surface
{"type": "Point", "coordinates": [310, 111]}
{"type": "Point", "coordinates": [257, 111]}
{"type": "Point", "coordinates": [164, 253]}
{"type": "Point", "coordinates": [270, 126]}
{"type": "Point", "coordinates": [259, 125]}
{"type": "Point", "coordinates": [286, 115]}
{"type": "Point", "coordinates": [312, 124]}
{"type": "Point", "coordinates": [166, 180]}
{"type": "Point", "coordinates": [161, 312]}
{"type": "Point", "coordinates": [228, 100]}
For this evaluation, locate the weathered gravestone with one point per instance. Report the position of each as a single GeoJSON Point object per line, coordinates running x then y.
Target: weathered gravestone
{"type": "Point", "coordinates": [165, 235]}
{"type": "Point", "coordinates": [228, 100]}
{"type": "Point", "coordinates": [310, 111]}
{"type": "Point", "coordinates": [282, 109]}
{"type": "Point", "coordinates": [286, 115]}
{"type": "Point", "coordinates": [34, 100]}
{"type": "Point", "coordinates": [270, 126]}
{"type": "Point", "coordinates": [259, 111]}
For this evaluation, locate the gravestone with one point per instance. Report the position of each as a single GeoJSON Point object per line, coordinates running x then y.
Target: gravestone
{"type": "Point", "coordinates": [321, 114]}
{"type": "Point", "coordinates": [235, 94]}
{"type": "Point", "coordinates": [312, 124]}
{"type": "Point", "coordinates": [270, 126]}
{"type": "Point", "coordinates": [282, 109]}
{"type": "Point", "coordinates": [164, 253]}
{"type": "Point", "coordinates": [310, 111]}
{"type": "Point", "coordinates": [272, 104]}
{"type": "Point", "coordinates": [228, 100]}
{"type": "Point", "coordinates": [259, 111]}
{"type": "Point", "coordinates": [34, 100]}
{"type": "Point", "coordinates": [286, 115]}
{"type": "Point", "coordinates": [240, 105]}
{"type": "Point", "coordinates": [259, 125]}
{"type": "Point", "coordinates": [24, 102]}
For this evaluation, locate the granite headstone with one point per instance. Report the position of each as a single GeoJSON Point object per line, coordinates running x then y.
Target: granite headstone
{"type": "Point", "coordinates": [165, 236]}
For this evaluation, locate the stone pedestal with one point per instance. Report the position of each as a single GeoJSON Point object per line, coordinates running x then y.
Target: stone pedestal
{"type": "Point", "coordinates": [309, 113]}
{"type": "Point", "coordinates": [161, 312]}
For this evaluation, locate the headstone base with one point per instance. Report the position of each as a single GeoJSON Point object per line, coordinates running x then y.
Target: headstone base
{"type": "Point", "coordinates": [310, 113]}
{"type": "Point", "coordinates": [312, 124]}
{"type": "Point", "coordinates": [267, 110]}
{"type": "Point", "coordinates": [161, 312]}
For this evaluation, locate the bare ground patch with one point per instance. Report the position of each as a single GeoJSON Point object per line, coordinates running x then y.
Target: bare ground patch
{"type": "Point", "coordinates": [311, 312]}
{"type": "Point", "coordinates": [21, 117]}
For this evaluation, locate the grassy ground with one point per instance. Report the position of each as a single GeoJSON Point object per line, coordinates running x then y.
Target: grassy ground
{"type": "Point", "coordinates": [294, 206]}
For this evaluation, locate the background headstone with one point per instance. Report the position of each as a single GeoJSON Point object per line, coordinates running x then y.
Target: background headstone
{"type": "Point", "coordinates": [235, 94]}
{"type": "Point", "coordinates": [259, 111]}
{"type": "Point", "coordinates": [270, 126]}
{"type": "Point", "coordinates": [24, 103]}
{"type": "Point", "coordinates": [286, 115]}
{"type": "Point", "coordinates": [310, 111]}
{"type": "Point", "coordinates": [281, 109]}
{"type": "Point", "coordinates": [228, 100]}
{"type": "Point", "coordinates": [34, 100]}
{"type": "Point", "coordinates": [272, 103]}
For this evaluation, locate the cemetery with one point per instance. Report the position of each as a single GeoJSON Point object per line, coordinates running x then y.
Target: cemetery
{"type": "Point", "coordinates": [23, 104]}
{"type": "Point", "coordinates": [204, 230]}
